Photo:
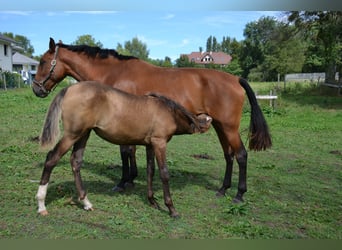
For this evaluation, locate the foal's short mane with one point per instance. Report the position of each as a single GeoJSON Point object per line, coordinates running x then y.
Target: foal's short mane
{"type": "Point", "coordinates": [94, 51]}
{"type": "Point", "coordinates": [174, 107]}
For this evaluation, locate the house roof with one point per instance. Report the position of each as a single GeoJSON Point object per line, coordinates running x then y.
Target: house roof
{"type": "Point", "coordinates": [6, 39]}
{"type": "Point", "coordinates": [22, 59]}
{"type": "Point", "coordinates": [209, 57]}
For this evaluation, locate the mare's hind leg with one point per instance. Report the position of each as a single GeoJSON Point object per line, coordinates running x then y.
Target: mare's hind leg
{"type": "Point", "coordinates": [76, 160]}
{"type": "Point", "coordinates": [129, 167]}
{"type": "Point", "coordinates": [233, 146]}
{"type": "Point", "coordinates": [51, 161]}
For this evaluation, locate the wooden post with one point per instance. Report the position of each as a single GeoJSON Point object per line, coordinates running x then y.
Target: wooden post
{"type": "Point", "coordinates": [5, 81]}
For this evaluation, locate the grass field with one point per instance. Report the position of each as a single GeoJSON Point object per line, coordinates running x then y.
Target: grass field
{"type": "Point", "coordinates": [294, 189]}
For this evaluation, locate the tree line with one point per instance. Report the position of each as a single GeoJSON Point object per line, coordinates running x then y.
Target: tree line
{"type": "Point", "coordinates": [303, 41]}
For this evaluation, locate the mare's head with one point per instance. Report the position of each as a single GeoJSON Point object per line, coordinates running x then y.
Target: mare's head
{"type": "Point", "coordinates": [49, 72]}
{"type": "Point", "coordinates": [187, 123]}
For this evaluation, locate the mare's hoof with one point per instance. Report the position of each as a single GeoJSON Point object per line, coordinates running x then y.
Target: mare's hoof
{"type": "Point", "coordinates": [238, 200]}
{"type": "Point", "coordinates": [89, 209]}
{"type": "Point", "coordinates": [118, 189]}
{"type": "Point", "coordinates": [121, 187]}
{"type": "Point", "coordinates": [220, 194]}
{"type": "Point", "coordinates": [129, 185]}
{"type": "Point", "coordinates": [43, 213]}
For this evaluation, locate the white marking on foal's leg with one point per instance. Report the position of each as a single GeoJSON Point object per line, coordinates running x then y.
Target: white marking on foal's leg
{"type": "Point", "coordinates": [87, 205]}
{"type": "Point", "coordinates": [41, 194]}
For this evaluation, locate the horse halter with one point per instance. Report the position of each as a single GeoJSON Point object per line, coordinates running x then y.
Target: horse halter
{"type": "Point", "coordinates": [41, 84]}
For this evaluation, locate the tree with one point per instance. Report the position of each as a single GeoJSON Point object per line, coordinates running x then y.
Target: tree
{"type": "Point", "coordinates": [23, 42]}
{"type": "Point", "coordinates": [324, 28]}
{"type": "Point", "coordinates": [257, 34]}
{"type": "Point", "coordinates": [271, 48]}
{"type": "Point", "coordinates": [183, 61]}
{"type": "Point", "coordinates": [135, 47]}
{"type": "Point", "coordinates": [162, 63]}
{"type": "Point", "coordinates": [87, 40]}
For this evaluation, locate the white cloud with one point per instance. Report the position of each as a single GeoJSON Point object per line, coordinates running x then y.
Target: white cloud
{"type": "Point", "coordinates": [151, 42]}
{"type": "Point", "coordinates": [168, 17]}
{"type": "Point", "coordinates": [17, 12]}
{"type": "Point", "coordinates": [95, 12]}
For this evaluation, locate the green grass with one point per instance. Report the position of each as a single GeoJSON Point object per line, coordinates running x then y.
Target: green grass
{"type": "Point", "coordinates": [294, 189]}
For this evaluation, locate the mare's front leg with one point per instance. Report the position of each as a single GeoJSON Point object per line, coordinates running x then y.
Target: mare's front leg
{"type": "Point", "coordinates": [51, 161]}
{"type": "Point", "coordinates": [129, 167]}
{"type": "Point", "coordinates": [76, 160]}
{"type": "Point", "coordinates": [160, 152]}
{"type": "Point", "coordinates": [150, 174]}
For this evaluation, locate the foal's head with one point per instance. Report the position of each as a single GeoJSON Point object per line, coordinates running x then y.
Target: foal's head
{"type": "Point", "coordinates": [187, 123]}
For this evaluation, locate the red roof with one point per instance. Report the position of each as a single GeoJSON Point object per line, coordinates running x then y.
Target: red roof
{"type": "Point", "coordinates": [209, 57]}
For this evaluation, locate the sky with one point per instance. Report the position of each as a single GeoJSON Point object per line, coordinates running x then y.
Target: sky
{"type": "Point", "coordinates": [166, 33]}
{"type": "Point", "coordinates": [168, 27]}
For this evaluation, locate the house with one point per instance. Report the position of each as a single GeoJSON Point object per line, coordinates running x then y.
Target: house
{"type": "Point", "coordinates": [6, 50]}
{"type": "Point", "coordinates": [11, 60]}
{"type": "Point", "coordinates": [25, 66]}
{"type": "Point", "coordinates": [218, 58]}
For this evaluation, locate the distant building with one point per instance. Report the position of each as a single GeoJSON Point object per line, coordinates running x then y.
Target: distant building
{"type": "Point", "coordinates": [218, 58]}
{"type": "Point", "coordinates": [13, 61]}
{"type": "Point", "coordinates": [6, 50]}
{"type": "Point", "coordinates": [25, 66]}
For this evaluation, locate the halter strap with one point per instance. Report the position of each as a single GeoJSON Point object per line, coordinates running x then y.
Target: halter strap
{"type": "Point", "coordinates": [53, 65]}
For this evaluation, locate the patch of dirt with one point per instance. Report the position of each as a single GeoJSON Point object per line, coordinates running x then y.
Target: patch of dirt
{"type": "Point", "coordinates": [336, 152]}
{"type": "Point", "coordinates": [203, 156]}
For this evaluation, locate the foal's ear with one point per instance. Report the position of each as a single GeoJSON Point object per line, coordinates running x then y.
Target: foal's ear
{"type": "Point", "coordinates": [52, 45]}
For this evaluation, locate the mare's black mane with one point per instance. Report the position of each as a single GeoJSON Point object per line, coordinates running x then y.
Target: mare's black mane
{"type": "Point", "coordinates": [93, 51]}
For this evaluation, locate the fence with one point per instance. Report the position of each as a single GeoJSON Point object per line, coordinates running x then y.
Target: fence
{"type": "Point", "coordinates": [303, 77]}
{"type": "Point", "coordinates": [312, 78]}
{"type": "Point", "coordinates": [10, 80]}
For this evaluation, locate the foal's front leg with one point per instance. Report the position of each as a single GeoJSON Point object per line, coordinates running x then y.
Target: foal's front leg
{"type": "Point", "coordinates": [76, 161]}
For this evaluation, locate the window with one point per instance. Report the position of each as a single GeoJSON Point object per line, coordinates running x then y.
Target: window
{"type": "Point", "coordinates": [5, 50]}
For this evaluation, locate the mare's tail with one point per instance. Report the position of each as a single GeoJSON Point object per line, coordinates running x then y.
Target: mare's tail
{"type": "Point", "coordinates": [50, 131]}
{"type": "Point", "coordinates": [259, 136]}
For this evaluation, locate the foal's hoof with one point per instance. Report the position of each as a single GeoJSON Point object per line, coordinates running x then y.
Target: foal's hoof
{"type": "Point", "coordinates": [175, 215]}
{"type": "Point", "coordinates": [43, 213]}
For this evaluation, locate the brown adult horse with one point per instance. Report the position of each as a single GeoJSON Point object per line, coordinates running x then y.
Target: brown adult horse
{"type": "Point", "coordinates": [218, 94]}
{"type": "Point", "coordinates": [119, 118]}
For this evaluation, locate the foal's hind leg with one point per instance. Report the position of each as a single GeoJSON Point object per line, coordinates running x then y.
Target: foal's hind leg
{"type": "Point", "coordinates": [76, 160]}
{"type": "Point", "coordinates": [150, 174]}
{"type": "Point", "coordinates": [51, 161]}
{"type": "Point", "coordinates": [160, 153]}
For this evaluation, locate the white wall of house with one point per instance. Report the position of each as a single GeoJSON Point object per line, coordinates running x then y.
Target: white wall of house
{"type": "Point", "coordinates": [6, 62]}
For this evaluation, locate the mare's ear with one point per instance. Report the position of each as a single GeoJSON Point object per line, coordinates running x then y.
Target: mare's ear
{"type": "Point", "coordinates": [52, 45]}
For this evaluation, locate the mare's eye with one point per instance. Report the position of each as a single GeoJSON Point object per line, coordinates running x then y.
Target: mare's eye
{"type": "Point", "coordinates": [42, 62]}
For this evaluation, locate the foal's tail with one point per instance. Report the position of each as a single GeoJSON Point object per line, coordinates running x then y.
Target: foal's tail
{"type": "Point", "coordinates": [50, 131]}
{"type": "Point", "coordinates": [259, 136]}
